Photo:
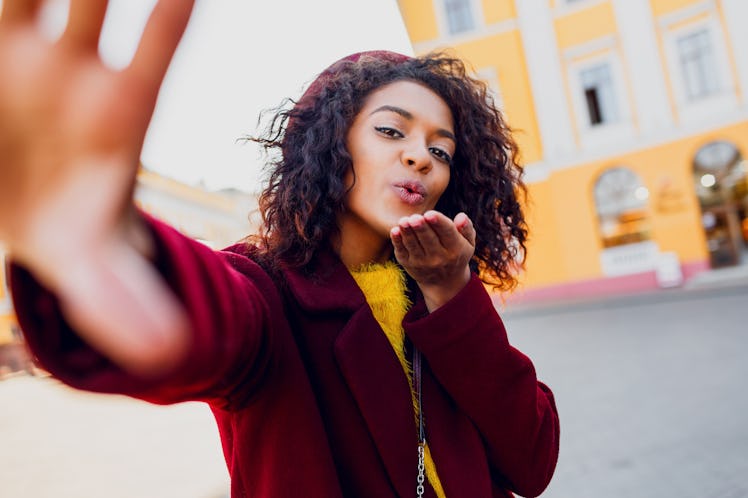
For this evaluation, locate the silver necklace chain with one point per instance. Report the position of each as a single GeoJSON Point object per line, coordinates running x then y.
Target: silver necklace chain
{"type": "Point", "coordinates": [421, 469]}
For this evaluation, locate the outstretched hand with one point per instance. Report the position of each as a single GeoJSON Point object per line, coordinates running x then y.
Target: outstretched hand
{"type": "Point", "coordinates": [71, 133]}
{"type": "Point", "coordinates": [435, 251]}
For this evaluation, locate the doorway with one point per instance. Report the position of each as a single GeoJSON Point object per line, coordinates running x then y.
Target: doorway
{"type": "Point", "coordinates": [721, 181]}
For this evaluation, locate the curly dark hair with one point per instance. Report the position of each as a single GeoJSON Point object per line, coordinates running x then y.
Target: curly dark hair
{"type": "Point", "coordinates": [306, 141]}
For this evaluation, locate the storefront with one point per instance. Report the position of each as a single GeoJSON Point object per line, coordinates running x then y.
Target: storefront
{"type": "Point", "coordinates": [652, 218]}
{"type": "Point", "coordinates": [720, 175]}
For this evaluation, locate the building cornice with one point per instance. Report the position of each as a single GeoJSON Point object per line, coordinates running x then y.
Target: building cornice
{"type": "Point", "coordinates": [687, 13]}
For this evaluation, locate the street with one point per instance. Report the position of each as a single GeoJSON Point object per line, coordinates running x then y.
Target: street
{"type": "Point", "coordinates": [650, 392]}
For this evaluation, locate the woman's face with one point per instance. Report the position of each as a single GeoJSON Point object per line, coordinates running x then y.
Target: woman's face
{"type": "Point", "coordinates": [401, 144]}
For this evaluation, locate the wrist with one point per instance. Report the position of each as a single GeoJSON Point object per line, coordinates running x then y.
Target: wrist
{"type": "Point", "coordinates": [437, 294]}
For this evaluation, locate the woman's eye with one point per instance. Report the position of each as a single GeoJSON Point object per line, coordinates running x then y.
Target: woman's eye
{"type": "Point", "coordinates": [441, 155]}
{"type": "Point", "coordinates": [390, 132]}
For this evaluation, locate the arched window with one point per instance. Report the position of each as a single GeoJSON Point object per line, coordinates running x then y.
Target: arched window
{"type": "Point", "coordinates": [621, 202]}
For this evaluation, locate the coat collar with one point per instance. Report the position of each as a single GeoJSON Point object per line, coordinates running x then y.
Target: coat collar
{"type": "Point", "coordinates": [331, 288]}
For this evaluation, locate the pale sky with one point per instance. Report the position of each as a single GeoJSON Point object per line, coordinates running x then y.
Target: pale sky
{"type": "Point", "coordinates": [237, 58]}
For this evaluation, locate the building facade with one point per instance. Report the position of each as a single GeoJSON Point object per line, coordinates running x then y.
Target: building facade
{"type": "Point", "coordinates": [632, 119]}
{"type": "Point", "coordinates": [217, 219]}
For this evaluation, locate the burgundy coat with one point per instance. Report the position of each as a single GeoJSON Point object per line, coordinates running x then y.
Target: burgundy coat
{"type": "Point", "coordinates": [309, 397]}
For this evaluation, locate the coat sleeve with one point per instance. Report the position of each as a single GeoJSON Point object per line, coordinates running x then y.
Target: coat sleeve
{"type": "Point", "coordinates": [229, 299]}
{"type": "Point", "coordinates": [494, 384]}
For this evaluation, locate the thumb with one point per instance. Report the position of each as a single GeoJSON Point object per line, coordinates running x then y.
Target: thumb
{"type": "Point", "coordinates": [465, 227]}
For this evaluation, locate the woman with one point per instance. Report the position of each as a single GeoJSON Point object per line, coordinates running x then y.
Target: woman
{"type": "Point", "coordinates": [350, 348]}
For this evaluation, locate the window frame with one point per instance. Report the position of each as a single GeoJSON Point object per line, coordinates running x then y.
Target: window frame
{"type": "Point", "coordinates": [640, 254]}
{"type": "Point", "coordinates": [706, 63]}
{"type": "Point", "coordinates": [582, 58]}
{"type": "Point", "coordinates": [476, 10]}
{"type": "Point", "coordinates": [720, 101]}
{"type": "Point", "coordinates": [601, 110]}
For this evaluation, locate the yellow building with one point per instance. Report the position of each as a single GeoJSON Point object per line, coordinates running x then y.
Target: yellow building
{"type": "Point", "coordinates": [8, 330]}
{"type": "Point", "coordinates": [632, 117]}
{"type": "Point", "coordinates": [218, 219]}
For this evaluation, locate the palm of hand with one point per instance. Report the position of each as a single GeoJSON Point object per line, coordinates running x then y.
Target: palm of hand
{"type": "Point", "coordinates": [71, 131]}
{"type": "Point", "coordinates": [61, 144]}
{"type": "Point", "coordinates": [435, 251]}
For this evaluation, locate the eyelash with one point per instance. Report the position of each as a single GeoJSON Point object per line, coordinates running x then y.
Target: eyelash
{"type": "Point", "coordinates": [440, 154]}
{"type": "Point", "coordinates": [389, 132]}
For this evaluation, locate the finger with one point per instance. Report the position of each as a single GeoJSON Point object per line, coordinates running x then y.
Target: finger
{"type": "Point", "coordinates": [465, 226]}
{"type": "Point", "coordinates": [84, 23]}
{"type": "Point", "coordinates": [444, 228]}
{"type": "Point", "coordinates": [427, 238]}
{"type": "Point", "coordinates": [401, 253]}
{"type": "Point", "coordinates": [410, 239]}
{"type": "Point", "coordinates": [19, 11]}
{"type": "Point", "coordinates": [159, 41]}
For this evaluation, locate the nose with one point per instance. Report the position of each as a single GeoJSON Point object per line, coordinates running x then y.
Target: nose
{"type": "Point", "coordinates": [417, 156]}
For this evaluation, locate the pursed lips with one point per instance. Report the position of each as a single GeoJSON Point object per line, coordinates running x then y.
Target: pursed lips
{"type": "Point", "coordinates": [411, 192]}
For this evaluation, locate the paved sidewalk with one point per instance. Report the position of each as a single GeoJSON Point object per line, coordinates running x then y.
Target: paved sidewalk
{"type": "Point", "coordinates": [719, 278]}
{"type": "Point", "coordinates": [59, 443]}
{"type": "Point", "coordinates": [724, 280]}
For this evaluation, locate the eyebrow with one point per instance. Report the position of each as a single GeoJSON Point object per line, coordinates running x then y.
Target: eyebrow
{"type": "Point", "coordinates": [407, 115]}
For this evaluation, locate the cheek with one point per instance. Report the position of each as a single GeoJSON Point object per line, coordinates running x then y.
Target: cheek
{"type": "Point", "coordinates": [444, 180]}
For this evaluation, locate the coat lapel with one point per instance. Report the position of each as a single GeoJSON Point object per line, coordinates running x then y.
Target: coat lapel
{"type": "Point", "coordinates": [369, 366]}
{"type": "Point", "coordinates": [381, 390]}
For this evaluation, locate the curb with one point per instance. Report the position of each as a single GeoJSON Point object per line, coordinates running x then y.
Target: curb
{"type": "Point", "coordinates": [699, 290]}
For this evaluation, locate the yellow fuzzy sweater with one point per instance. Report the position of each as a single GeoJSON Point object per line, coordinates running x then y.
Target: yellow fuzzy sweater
{"type": "Point", "coordinates": [384, 289]}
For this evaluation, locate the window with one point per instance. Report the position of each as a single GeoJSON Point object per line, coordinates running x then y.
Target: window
{"type": "Point", "coordinates": [459, 14]}
{"type": "Point", "coordinates": [602, 113]}
{"type": "Point", "coordinates": [698, 61]}
{"type": "Point", "coordinates": [621, 201]}
{"type": "Point", "coordinates": [698, 65]}
{"type": "Point", "coordinates": [599, 94]}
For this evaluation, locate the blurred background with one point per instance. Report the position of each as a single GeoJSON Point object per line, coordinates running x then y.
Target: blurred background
{"type": "Point", "coordinates": [632, 118]}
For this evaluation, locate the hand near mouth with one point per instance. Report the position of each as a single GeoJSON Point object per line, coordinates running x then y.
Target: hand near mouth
{"type": "Point", "coordinates": [435, 251]}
